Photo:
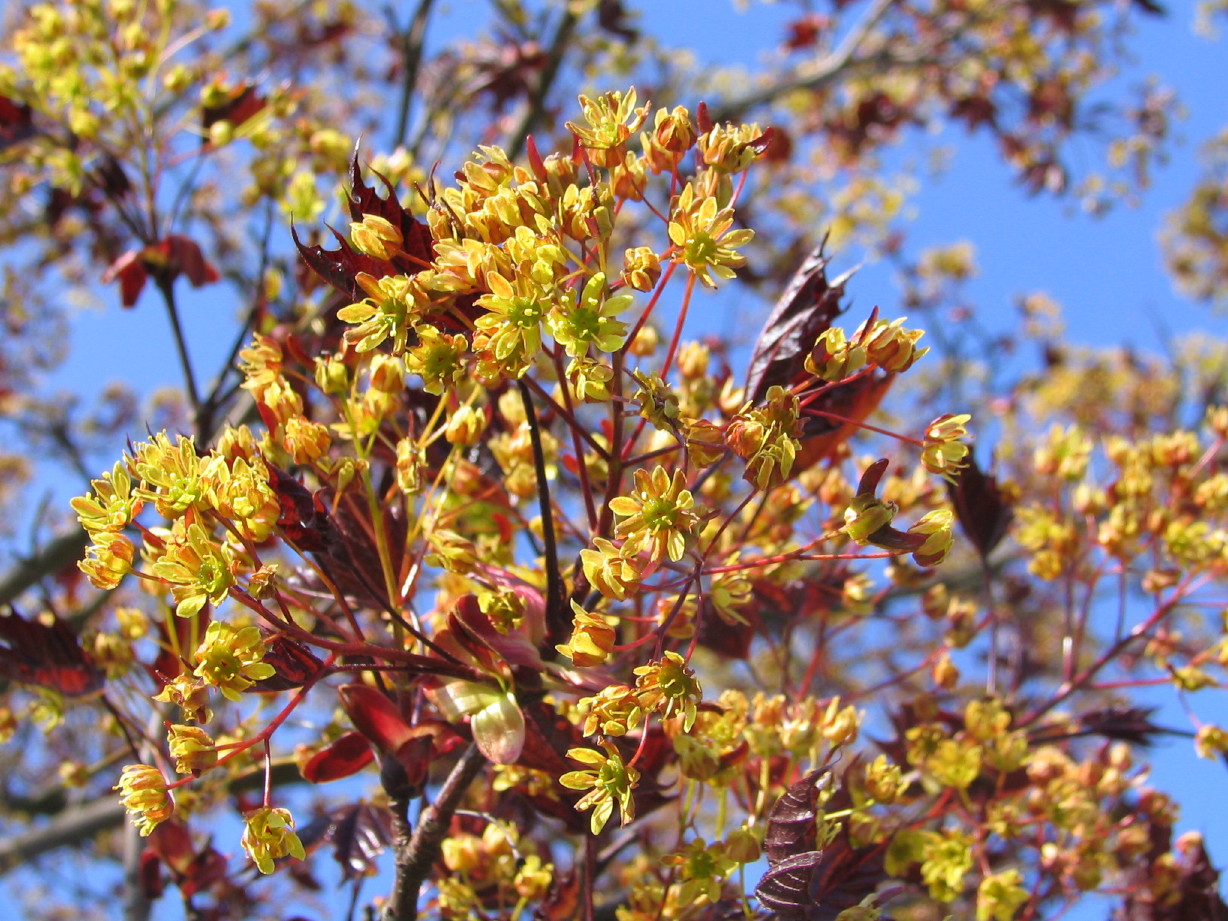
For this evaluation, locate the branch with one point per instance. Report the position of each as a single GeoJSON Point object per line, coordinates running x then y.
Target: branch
{"type": "Point", "coordinates": [536, 103]}
{"type": "Point", "coordinates": [415, 853]}
{"type": "Point", "coordinates": [79, 824]}
{"type": "Point", "coordinates": [811, 77]}
{"type": "Point", "coordinates": [411, 42]}
{"type": "Point", "coordinates": [76, 825]}
{"type": "Point", "coordinates": [63, 551]}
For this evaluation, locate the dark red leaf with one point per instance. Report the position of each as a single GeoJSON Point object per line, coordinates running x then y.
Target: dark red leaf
{"type": "Point", "coordinates": [193, 870]}
{"type": "Point", "coordinates": [303, 519]}
{"type": "Point", "coordinates": [613, 18]}
{"type": "Point", "coordinates": [340, 266]}
{"type": "Point", "coordinates": [360, 834]}
{"type": "Point", "coordinates": [1194, 897]}
{"type": "Point", "coordinates": [547, 738]}
{"type": "Point", "coordinates": [375, 716]}
{"type": "Point", "coordinates": [832, 416]}
{"type": "Point", "coordinates": [346, 755]}
{"type": "Point", "coordinates": [805, 309]}
{"type": "Point", "coordinates": [47, 655]}
{"type": "Point", "coordinates": [981, 506]}
{"type": "Point", "coordinates": [791, 826]}
{"type": "Point", "coordinates": [16, 123]}
{"type": "Point", "coordinates": [130, 270]}
{"type": "Point", "coordinates": [805, 884]}
{"type": "Point", "coordinates": [183, 256]}
{"type": "Point", "coordinates": [729, 640]}
{"type": "Point", "coordinates": [1121, 724]}
{"type": "Point", "coordinates": [785, 888]}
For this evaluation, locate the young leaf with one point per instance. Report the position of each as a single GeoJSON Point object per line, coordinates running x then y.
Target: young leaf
{"type": "Point", "coordinates": [346, 755]}
{"type": "Point", "coordinates": [805, 309]}
{"type": "Point", "coordinates": [48, 655]}
{"type": "Point", "coordinates": [982, 507]}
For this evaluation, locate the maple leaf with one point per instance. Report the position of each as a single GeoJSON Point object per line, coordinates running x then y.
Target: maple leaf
{"type": "Point", "coordinates": [46, 654]}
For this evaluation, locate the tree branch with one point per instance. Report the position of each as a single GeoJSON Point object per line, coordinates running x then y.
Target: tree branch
{"type": "Point", "coordinates": [411, 42]}
{"type": "Point", "coordinates": [536, 103]}
{"type": "Point", "coordinates": [62, 551]}
{"type": "Point", "coordinates": [415, 853]}
{"type": "Point", "coordinates": [810, 77]}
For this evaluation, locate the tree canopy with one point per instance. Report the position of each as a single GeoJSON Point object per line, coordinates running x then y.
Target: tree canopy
{"type": "Point", "coordinates": [468, 568]}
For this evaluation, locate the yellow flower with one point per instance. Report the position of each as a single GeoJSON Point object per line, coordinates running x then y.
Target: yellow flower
{"type": "Point", "coordinates": [705, 244]}
{"type": "Point", "coordinates": [608, 782]}
{"type": "Point", "coordinates": [591, 320]}
{"type": "Point", "coordinates": [144, 794]}
{"type": "Point", "coordinates": [268, 835]}
{"type": "Point", "coordinates": [944, 453]}
{"type": "Point", "coordinates": [107, 560]}
{"type": "Point", "coordinates": [670, 688]}
{"type": "Point", "coordinates": [612, 120]}
{"type": "Point", "coordinates": [197, 568]}
{"type": "Point", "coordinates": [658, 516]}
{"type": "Point", "coordinates": [111, 506]}
{"type": "Point", "coordinates": [194, 752]}
{"type": "Point", "coordinates": [387, 311]}
{"type": "Point", "coordinates": [230, 659]}
{"type": "Point", "coordinates": [592, 639]}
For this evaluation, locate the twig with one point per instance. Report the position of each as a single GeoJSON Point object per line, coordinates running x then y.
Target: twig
{"type": "Point", "coordinates": [167, 287]}
{"type": "Point", "coordinates": [557, 620]}
{"type": "Point", "coordinates": [411, 60]}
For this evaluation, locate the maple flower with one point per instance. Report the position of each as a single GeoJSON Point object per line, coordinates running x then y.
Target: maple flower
{"type": "Point", "coordinates": [590, 320]}
{"type": "Point", "coordinates": [111, 506]}
{"type": "Point", "coordinates": [999, 896]}
{"type": "Point", "coordinates": [197, 568]}
{"type": "Point", "coordinates": [834, 356]}
{"type": "Point", "coordinates": [937, 526]}
{"type": "Point", "coordinates": [513, 325]}
{"type": "Point", "coordinates": [612, 119]}
{"type": "Point", "coordinates": [672, 135]}
{"type": "Point", "coordinates": [614, 711]}
{"type": "Point", "coordinates": [143, 793]}
{"type": "Point", "coordinates": [242, 494]}
{"type": "Point", "coordinates": [190, 695]}
{"type": "Point", "coordinates": [866, 516]}
{"type": "Point", "coordinates": [107, 560]}
{"type": "Point", "coordinates": [268, 835]}
{"type": "Point", "coordinates": [944, 453]}
{"type": "Point", "coordinates": [230, 659]}
{"type": "Point", "coordinates": [609, 570]}
{"type": "Point", "coordinates": [766, 438]}
{"type": "Point", "coordinates": [670, 688]}
{"type": "Point", "coordinates": [701, 232]}
{"type": "Point", "coordinates": [438, 359]}
{"type": "Point", "coordinates": [641, 268]}
{"type": "Point", "coordinates": [194, 752]}
{"type": "Point", "coordinates": [590, 379]}
{"type": "Point", "coordinates": [704, 869]}
{"type": "Point", "coordinates": [376, 236]}
{"type": "Point", "coordinates": [592, 638]}
{"type": "Point", "coordinates": [890, 346]}
{"type": "Point", "coordinates": [387, 311]}
{"type": "Point", "coordinates": [170, 474]}
{"type": "Point", "coordinates": [658, 516]}
{"type": "Point", "coordinates": [609, 781]}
